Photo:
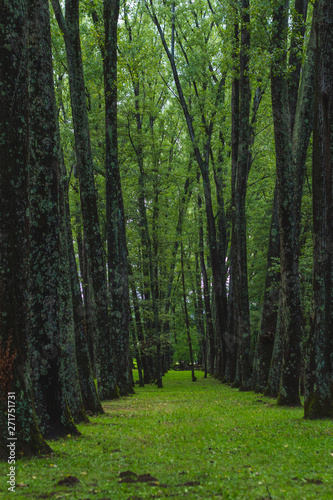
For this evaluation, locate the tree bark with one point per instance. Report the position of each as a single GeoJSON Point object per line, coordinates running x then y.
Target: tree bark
{"type": "Point", "coordinates": [187, 321]}
{"type": "Point", "coordinates": [117, 246]}
{"type": "Point", "coordinates": [70, 28]}
{"type": "Point", "coordinates": [290, 285]}
{"type": "Point", "coordinates": [318, 401]}
{"type": "Point", "coordinates": [14, 152]}
{"type": "Point", "coordinates": [48, 337]}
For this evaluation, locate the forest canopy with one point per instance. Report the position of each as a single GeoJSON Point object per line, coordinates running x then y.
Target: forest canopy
{"type": "Point", "coordinates": [166, 198]}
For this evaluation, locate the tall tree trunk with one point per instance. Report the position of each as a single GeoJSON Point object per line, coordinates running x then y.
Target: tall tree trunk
{"type": "Point", "coordinates": [206, 290]}
{"type": "Point", "coordinates": [90, 396]}
{"type": "Point", "coordinates": [199, 310]}
{"type": "Point", "coordinates": [14, 152]}
{"type": "Point", "coordinates": [302, 128]}
{"type": "Point", "coordinates": [318, 401]}
{"type": "Point", "coordinates": [47, 337]}
{"type": "Point", "coordinates": [187, 321]}
{"type": "Point", "coordinates": [70, 28]}
{"type": "Point", "coordinates": [202, 158]}
{"type": "Point", "coordinates": [139, 330]}
{"type": "Point", "coordinates": [266, 337]}
{"type": "Point", "coordinates": [117, 246]}
{"type": "Point", "coordinates": [290, 285]}
{"type": "Point", "coordinates": [243, 168]}
{"type": "Point", "coordinates": [233, 313]}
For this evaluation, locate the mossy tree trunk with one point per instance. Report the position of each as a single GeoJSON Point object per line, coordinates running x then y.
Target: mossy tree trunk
{"type": "Point", "coordinates": [49, 332]}
{"type": "Point", "coordinates": [301, 113]}
{"type": "Point", "coordinates": [290, 284]}
{"type": "Point", "coordinates": [14, 153]}
{"type": "Point", "coordinates": [318, 401]}
{"type": "Point", "coordinates": [117, 246]}
{"type": "Point", "coordinates": [243, 169]}
{"type": "Point", "coordinates": [70, 27]}
{"type": "Point", "coordinates": [266, 337]}
{"type": "Point", "coordinates": [89, 393]}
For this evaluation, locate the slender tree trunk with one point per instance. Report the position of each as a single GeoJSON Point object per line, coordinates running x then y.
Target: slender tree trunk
{"type": "Point", "coordinates": [139, 330]}
{"type": "Point", "coordinates": [187, 321]}
{"type": "Point", "coordinates": [206, 289]}
{"type": "Point", "coordinates": [117, 246]}
{"type": "Point", "coordinates": [200, 314]}
{"type": "Point", "coordinates": [266, 337]}
{"type": "Point", "coordinates": [233, 313]}
{"type": "Point", "coordinates": [90, 396]}
{"type": "Point", "coordinates": [243, 168]}
{"type": "Point", "coordinates": [14, 152]}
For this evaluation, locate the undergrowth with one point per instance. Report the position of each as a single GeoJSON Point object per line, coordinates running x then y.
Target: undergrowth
{"type": "Point", "coordinates": [199, 440]}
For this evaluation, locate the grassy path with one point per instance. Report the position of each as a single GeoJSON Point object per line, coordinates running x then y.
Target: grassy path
{"type": "Point", "coordinates": [188, 440]}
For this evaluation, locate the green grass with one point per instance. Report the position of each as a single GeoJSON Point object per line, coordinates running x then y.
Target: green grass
{"type": "Point", "coordinates": [234, 444]}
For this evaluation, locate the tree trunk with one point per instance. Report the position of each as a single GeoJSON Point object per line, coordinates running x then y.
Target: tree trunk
{"type": "Point", "coordinates": [14, 152]}
{"type": "Point", "coordinates": [290, 285]}
{"type": "Point", "coordinates": [266, 337]}
{"type": "Point", "coordinates": [243, 168]}
{"type": "Point", "coordinates": [303, 122]}
{"type": "Point", "coordinates": [117, 246]}
{"type": "Point", "coordinates": [92, 237]}
{"type": "Point", "coordinates": [47, 332]}
{"type": "Point", "coordinates": [210, 333]}
{"type": "Point", "coordinates": [187, 321]}
{"type": "Point", "coordinates": [90, 396]}
{"type": "Point", "coordinates": [318, 401]}
{"type": "Point", "coordinates": [233, 313]}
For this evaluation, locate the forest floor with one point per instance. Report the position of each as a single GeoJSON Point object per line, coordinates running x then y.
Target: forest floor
{"type": "Point", "coordinates": [189, 440]}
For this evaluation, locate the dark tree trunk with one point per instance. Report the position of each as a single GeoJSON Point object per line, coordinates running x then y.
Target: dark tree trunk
{"type": "Point", "coordinates": [200, 315]}
{"type": "Point", "coordinates": [318, 401]}
{"type": "Point", "coordinates": [243, 168]}
{"type": "Point", "coordinates": [295, 54]}
{"type": "Point", "coordinates": [302, 128]}
{"type": "Point", "coordinates": [14, 152]}
{"type": "Point", "coordinates": [139, 330]}
{"type": "Point", "coordinates": [187, 321]}
{"type": "Point", "coordinates": [233, 313]}
{"type": "Point", "coordinates": [290, 285]}
{"type": "Point", "coordinates": [273, 382]}
{"type": "Point", "coordinates": [89, 393]}
{"type": "Point", "coordinates": [70, 28]}
{"type": "Point", "coordinates": [47, 338]}
{"type": "Point", "coordinates": [206, 290]}
{"type": "Point", "coordinates": [117, 246]}
{"type": "Point", "coordinates": [266, 337]}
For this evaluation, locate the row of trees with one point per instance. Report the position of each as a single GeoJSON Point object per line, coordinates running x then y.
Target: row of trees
{"type": "Point", "coordinates": [186, 100]}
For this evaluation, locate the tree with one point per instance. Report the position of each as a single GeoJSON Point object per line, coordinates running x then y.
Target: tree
{"type": "Point", "coordinates": [202, 157]}
{"type": "Point", "coordinates": [318, 401]}
{"type": "Point", "coordinates": [14, 152]}
{"type": "Point", "coordinates": [50, 327]}
{"type": "Point", "coordinates": [70, 27]}
{"type": "Point", "coordinates": [291, 315]}
{"type": "Point", "coordinates": [117, 246]}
